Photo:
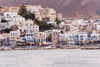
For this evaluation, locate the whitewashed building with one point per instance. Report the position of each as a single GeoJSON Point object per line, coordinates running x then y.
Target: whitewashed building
{"type": "Point", "coordinates": [55, 36]}
{"type": "Point", "coordinates": [33, 8]}
{"type": "Point", "coordinates": [10, 16]}
{"type": "Point", "coordinates": [27, 26]}
{"type": "Point", "coordinates": [30, 38]}
{"type": "Point", "coordinates": [3, 26]}
{"type": "Point", "coordinates": [51, 22]}
{"type": "Point", "coordinates": [13, 36]}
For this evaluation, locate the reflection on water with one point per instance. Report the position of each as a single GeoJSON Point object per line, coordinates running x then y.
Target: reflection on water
{"type": "Point", "coordinates": [50, 58]}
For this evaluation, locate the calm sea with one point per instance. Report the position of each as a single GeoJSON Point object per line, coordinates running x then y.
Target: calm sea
{"type": "Point", "coordinates": [50, 58]}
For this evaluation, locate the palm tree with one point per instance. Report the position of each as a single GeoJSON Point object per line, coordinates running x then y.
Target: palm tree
{"type": "Point", "coordinates": [24, 43]}
{"type": "Point", "coordinates": [81, 42]}
{"type": "Point", "coordinates": [49, 38]}
{"type": "Point", "coordinates": [0, 8]}
{"type": "Point", "coordinates": [2, 43]}
{"type": "Point", "coordinates": [65, 42]}
{"type": "Point", "coordinates": [36, 43]}
{"type": "Point", "coordinates": [90, 42]}
{"type": "Point", "coordinates": [22, 10]}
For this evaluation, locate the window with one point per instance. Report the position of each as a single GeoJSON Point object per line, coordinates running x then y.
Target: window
{"type": "Point", "coordinates": [24, 30]}
{"type": "Point", "coordinates": [32, 35]}
{"type": "Point", "coordinates": [12, 38]}
{"type": "Point", "coordinates": [27, 35]}
{"type": "Point", "coordinates": [32, 38]}
{"type": "Point", "coordinates": [76, 36]}
{"type": "Point", "coordinates": [99, 35]}
{"type": "Point", "coordinates": [70, 36]}
{"type": "Point", "coordinates": [37, 40]}
{"type": "Point", "coordinates": [12, 42]}
{"type": "Point", "coordinates": [95, 38]}
{"type": "Point", "coordinates": [20, 30]}
{"type": "Point", "coordinates": [41, 40]}
{"type": "Point", "coordinates": [28, 41]}
{"type": "Point", "coordinates": [30, 24]}
{"type": "Point", "coordinates": [40, 34]}
{"type": "Point", "coordinates": [81, 36]}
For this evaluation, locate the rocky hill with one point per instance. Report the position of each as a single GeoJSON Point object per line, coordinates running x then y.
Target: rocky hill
{"type": "Point", "coordinates": [69, 8]}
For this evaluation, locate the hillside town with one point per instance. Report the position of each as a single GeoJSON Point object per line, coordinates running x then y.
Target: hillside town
{"type": "Point", "coordinates": [33, 26]}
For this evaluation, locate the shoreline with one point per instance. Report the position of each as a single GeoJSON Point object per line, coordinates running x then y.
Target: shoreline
{"type": "Point", "coordinates": [82, 48]}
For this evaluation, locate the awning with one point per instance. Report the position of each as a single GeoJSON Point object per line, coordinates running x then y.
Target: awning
{"type": "Point", "coordinates": [8, 44]}
{"type": "Point", "coordinates": [23, 39]}
{"type": "Point", "coordinates": [47, 43]}
{"type": "Point", "coordinates": [32, 40]}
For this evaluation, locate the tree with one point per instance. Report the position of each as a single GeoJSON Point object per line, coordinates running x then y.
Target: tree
{"type": "Point", "coordinates": [62, 32]}
{"type": "Point", "coordinates": [22, 35]}
{"type": "Point", "coordinates": [2, 43]}
{"type": "Point", "coordinates": [29, 16]}
{"type": "Point", "coordinates": [67, 30]}
{"type": "Point", "coordinates": [49, 38]}
{"type": "Point", "coordinates": [83, 29]}
{"type": "Point", "coordinates": [23, 42]}
{"type": "Point", "coordinates": [43, 25]}
{"type": "Point", "coordinates": [7, 30]}
{"type": "Point", "coordinates": [65, 42]}
{"type": "Point", "coordinates": [36, 21]}
{"type": "Point", "coordinates": [90, 42]}
{"type": "Point", "coordinates": [81, 42]}
{"type": "Point", "coordinates": [22, 10]}
{"type": "Point", "coordinates": [33, 16]}
{"type": "Point", "coordinates": [36, 43]}
{"type": "Point", "coordinates": [0, 8]}
{"type": "Point", "coordinates": [58, 21]}
{"type": "Point", "coordinates": [3, 21]}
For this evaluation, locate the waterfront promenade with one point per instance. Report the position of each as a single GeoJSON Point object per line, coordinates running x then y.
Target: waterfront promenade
{"type": "Point", "coordinates": [8, 48]}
